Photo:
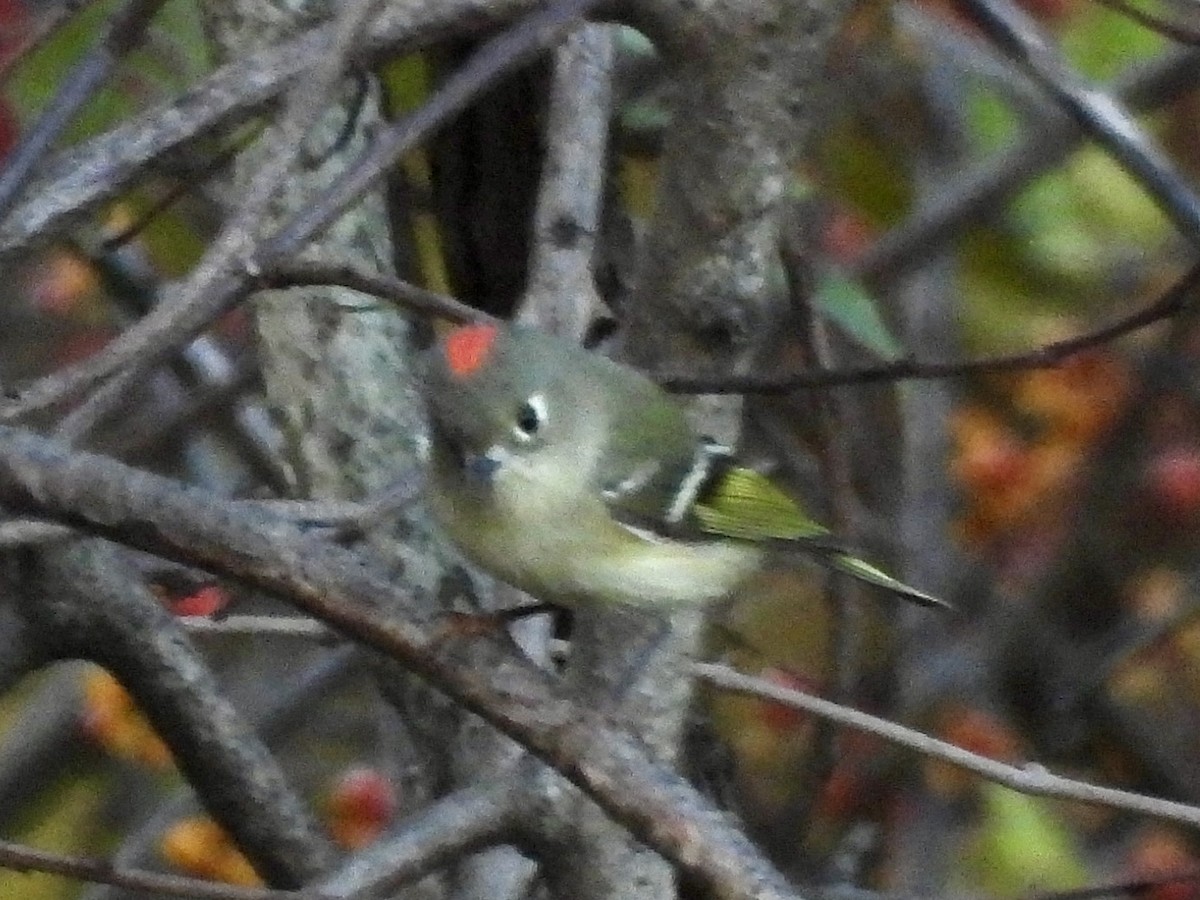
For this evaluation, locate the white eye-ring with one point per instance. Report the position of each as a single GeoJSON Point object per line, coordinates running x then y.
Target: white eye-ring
{"type": "Point", "coordinates": [531, 416]}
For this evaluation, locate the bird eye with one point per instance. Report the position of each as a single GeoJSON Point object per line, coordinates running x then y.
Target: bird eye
{"type": "Point", "coordinates": [531, 416]}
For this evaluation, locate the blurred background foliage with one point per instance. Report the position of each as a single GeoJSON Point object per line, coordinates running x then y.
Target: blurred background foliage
{"type": "Point", "coordinates": [1102, 451]}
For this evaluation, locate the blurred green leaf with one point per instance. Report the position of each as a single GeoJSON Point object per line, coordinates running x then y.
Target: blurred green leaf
{"type": "Point", "coordinates": [854, 311]}
{"type": "Point", "coordinates": [869, 177]}
{"type": "Point", "coordinates": [1082, 215]}
{"type": "Point", "coordinates": [1101, 43]}
{"type": "Point", "coordinates": [405, 82]}
{"type": "Point", "coordinates": [69, 810]}
{"type": "Point", "coordinates": [991, 122]}
{"type": "Point", "coordinates": [1021, 846]}
{"type": "Point", "coordinates": [172, 57]}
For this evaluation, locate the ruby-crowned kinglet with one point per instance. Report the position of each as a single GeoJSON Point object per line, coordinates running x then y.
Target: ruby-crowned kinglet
{"type": "Point", "coordinates": [579, 480]}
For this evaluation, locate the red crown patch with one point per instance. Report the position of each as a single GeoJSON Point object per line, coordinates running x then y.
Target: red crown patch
{"type": "Point", "coordinates": [468, 347]}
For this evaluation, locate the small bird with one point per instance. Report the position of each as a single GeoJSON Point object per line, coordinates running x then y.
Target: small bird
{"type": "Point", "coordinates": [581, 481]}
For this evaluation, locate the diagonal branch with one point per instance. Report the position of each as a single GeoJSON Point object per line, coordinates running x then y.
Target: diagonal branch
{"type": "Point", "coordinates": [77, 180]}
{"type": "Point", "coordinates": [86, 603]}
{"type": "Point", "coordinates": [408, 296]}
{"type": "Point", "coordinates": [219, 280]}
{"type": "Point", "coordinates": [343, 589]}
{"type": "Point", "coordinates": [977, 192]}
{"type": "Point", "coordinates": [1096, 111]}
{"type": "Point", "coordinates": [1028, 779]}
{"type": "Point", "coordinates": [122, 34]}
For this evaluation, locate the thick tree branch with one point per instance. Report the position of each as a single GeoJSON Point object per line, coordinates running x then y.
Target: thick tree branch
{"type": "Point", "coordinates": [84, 602]}
{"type": "Point", "coordinates": [342, 588]}
{"type": "Point", "coordinates": [561, 297]}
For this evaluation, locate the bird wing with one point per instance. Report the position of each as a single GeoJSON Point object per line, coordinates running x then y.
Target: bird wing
{"type": "Point", "coordinates": [745, 504]}
{"type": "Point", "coordinates": [655, 477]}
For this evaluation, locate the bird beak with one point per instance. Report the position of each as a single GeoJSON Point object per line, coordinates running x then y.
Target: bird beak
{"type": "Point", "coordinates": [481, 468]}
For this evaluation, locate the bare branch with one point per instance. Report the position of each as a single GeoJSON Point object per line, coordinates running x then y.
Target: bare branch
{"type": "Point", "coordinates": [1030, 779]}
{"type": "Point", "coordinates": [77, 180]}
{"type": "Point", "coordinates": [1096, 111]}
{"type": "Point", "coordinates": [261, 626]}
{"type": "Point", "coordinates": [218, 281]}
{"type": "Point", "coordinates": [86, 602]}
{"type": "Point", "coordinates": [121, 36]}
{"type": "Point", "coordinates": [968, 197]}
{"type": "Point", "coordinates": [99, 871]}
{"type": "Point", "coordinates": [1176, 300]}
{"type": "Point", "coordinates": [293, 273]}
{"type": "Point", "coordinates": [503, 53]}
{"type": "Point", "coordinates": [290, 710]}
{"type": "Point", "coordinates": [561, 297]}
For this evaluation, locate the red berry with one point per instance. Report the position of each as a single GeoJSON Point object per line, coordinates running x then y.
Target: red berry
{"type": "Point", "coordinates": [780, 716]}
{"type": "Point", "coordinates": [1173, 479]}
{"type": "Point", "coordinates": [205, 601]}
{"type": "Point", "coordinates": [360, 806]}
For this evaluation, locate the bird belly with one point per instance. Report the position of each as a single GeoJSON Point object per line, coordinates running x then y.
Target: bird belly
{"type": "Point", "coordinates": [576, 554]}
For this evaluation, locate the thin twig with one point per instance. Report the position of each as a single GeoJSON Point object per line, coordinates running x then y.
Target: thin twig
{"type": "Point", "coordinates": [204, 376]}
{"type": "Point", "coordinates": [1030, 779]}
{"type": "Point", "coordinates": [299, 273]}
{"type": "Point", "coordinates": [75, 181]}
{"type": "Point", "coordinates": [220, 275]}
{"type": "Point", "coordinates": [1167, 306]}
{"type": "Point", "coordinates": [29, 859]}
{"type": "Point", "coordinates": [261, 626]}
